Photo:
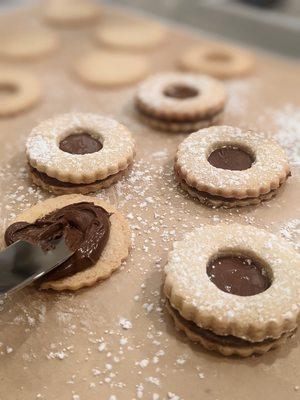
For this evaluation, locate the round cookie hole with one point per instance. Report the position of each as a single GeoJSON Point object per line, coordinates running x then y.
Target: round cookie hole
{"type": "Point", "coordinates": [231, 157]}
{"type": "Point", "coordinates": [239, 274]}
{"type": "Point", "coordinates": [180, 91]}
{"type": "Point", "coordinates": [7, 90]}
{"type": "Point", "coordinates": [218, 57]}
{"type": "Point", "coordinates": [80, 143]}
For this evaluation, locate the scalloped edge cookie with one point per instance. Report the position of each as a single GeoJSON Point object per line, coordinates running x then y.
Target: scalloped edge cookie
{"type": "Point", "coordinates": [114, 253]}
{"type": "Point", "coordinates": [256, 318]}
{"type": "Point", "coordinates": [43, 152]}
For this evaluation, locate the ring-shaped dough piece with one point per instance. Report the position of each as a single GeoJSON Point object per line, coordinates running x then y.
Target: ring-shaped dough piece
{"type": "Point", "coordinates": [28, 44]}
{"type": "Point", "coordinates": [44, 154]}
{"type": "Point", "coordinates": [268, 314]}
{"type": "Point", "coordinates": [209, 98]}
{"type": "Point", "coordinates": [109, 69]}
{"type": "Point", "coordinates": [268, 171]}
{"type": "Point", "coordinates": [131, 35]}
{"type": "Point", "coordinates": [19, 91]}
{"type": "Point", "coordinates": [222, 62]}
{"type": "Point", "coordinates": [71, 12]}
{"type": "Point", "coordinates": [115, 251]}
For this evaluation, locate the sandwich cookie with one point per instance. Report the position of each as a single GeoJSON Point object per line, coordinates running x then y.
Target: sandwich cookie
{"type": "Point", "coordinates": [179, 102]}
{"type": "Point", "coordinates": [234, 289]}
{"type": "Point", "coordinates": [226, 166]}
{"type": "Point", "coordinates": [97, 233]}
{"type": "Point", "coordinates": [220, 61]}
{"type": "Point", "coordinates": [19, 91]}
{"type": "Point", "coordinates": [78, 153]}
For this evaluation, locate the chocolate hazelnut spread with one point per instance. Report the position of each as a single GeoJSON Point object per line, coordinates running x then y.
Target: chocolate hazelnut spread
{"type": "Point", "coordinates": [80, 143]}
{"type": "Point", "coordinates": [84, 225]}
{"type": "Point", "coordinates": [232, 158]}
{"type": "Point", "coordinates": [238, 275]}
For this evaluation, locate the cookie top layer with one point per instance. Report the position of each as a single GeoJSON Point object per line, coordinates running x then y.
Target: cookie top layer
{"type": "Point", "coordinates": [197, 163]}
{"type": "Point", "coordinates": [103, 68]}
{"type": "Point", "coordinates": [28, 44]}
{"type": "Point", "coordinates": [180, 97]}
{"type": "Point", "coordinates": [45, 148]}
{"type": "Point", "coordinates": [268, 313]}
{"type": "Point", "coordinates": [71, 12]}
{"type": "Point", "coordinates": [19, 91]}
{"type": "Point", "coordinates": [218, 60]}
{"type": "Point", "coordinates": [132, 35]}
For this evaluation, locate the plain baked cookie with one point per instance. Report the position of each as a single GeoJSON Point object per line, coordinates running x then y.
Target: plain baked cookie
{"type": "Point", "coordinates": [78, 153]}
{"type": "Point", "coordinates": [131, 35]}
{"type": "Point", "coordinates": [220, 61]}
{"type": "Point", "coordinates": [19, 91]}
{"type": "Point", "coordinates": [179, 102]}
{"type": "Point", "coordinates": [28, 44]}
{"type": "Point", "coordinates": [229, 167]}
{"type": "Point", "coordinates": [71, 12]}
{"type": "Point", "coordinates": [115, 250]}
{"type": "Point", "coordinates": [234, 288]}
{"type": "Point", "coordinates": [104, 68]}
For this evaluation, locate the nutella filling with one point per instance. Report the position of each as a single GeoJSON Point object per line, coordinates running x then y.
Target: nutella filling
{"type": "Point", "coordinates": [57, 183]}
{"type": "Point", "coordinates": [231, 157]}
{"type": "Point", "coordinates": [180, 92]}
{"type": "Point", "coordinates": [225, 340]}
{"type": "Point", "coordinates": [80, 143]}
{"type": "Point", "coordinates": [86, 229]}
{"type": "Point", "coordinates": [238, 275]}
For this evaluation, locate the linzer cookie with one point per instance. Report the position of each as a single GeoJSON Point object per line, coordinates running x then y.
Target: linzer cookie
{"type": "Point", "coordinates": [19, 91]}
{"type": "Point", "coordinates": [234, 288]}
{"type": "Point", "coordinates": [78, 153]}
{"type": "Point", "coordinates": [220, 61]}
{"type": "Point", "coordinates": [97, 233]}
{"type": "Point", "coordinates": [229, 167]}
{"type": "Point", "coordinates": [180, 102]}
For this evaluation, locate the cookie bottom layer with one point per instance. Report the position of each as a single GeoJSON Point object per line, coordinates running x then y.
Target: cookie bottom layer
{"type": "Point", "coordinates": [226, 345]}
{"type": "Point", "coordinates": [58, 187]}
{"type": "Point", "coordinates": [210, 200]}
{"type": "Point", "coordinates": [175, 126]}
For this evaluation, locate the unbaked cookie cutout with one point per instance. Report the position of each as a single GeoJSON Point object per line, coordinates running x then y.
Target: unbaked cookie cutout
{"type": "Point", "coordinates": [220, 61]}
{"type": "Point", "coordinates": [28, 44]}
{"type": "Point", "coordinates": [19, 91]}
{"type": "Point", "coordinates": [227, 166]}
{"type": "Point", "coordinates": [180, 102]}
{"type": "Point", "coordinates": [131, 35]}
{"type": "Point", "coordinates": [71, 13]}
{"type": "Point", "coordinates": [78, 153]}
{"type": "Point", "coordinates": [109, 69]}
{"type": "Point", "coordinates": [115, 251]}
{"type": "Point", "coordinates": [234, 288]}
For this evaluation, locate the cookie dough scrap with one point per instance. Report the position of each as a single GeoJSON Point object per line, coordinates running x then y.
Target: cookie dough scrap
{"type": "Point", "coordinates": [100, 242]}
{"type": "Point", "coordinates": [224, 166]}
{"type": "Point", "coordinates": [78, 153]}
{"type": "Point", "coordinates": [234, 289]}
{"type": "Point", "coordinates": [109, 69]}
{"type": "Point", "coordinates": [19, 91]}
{"type": "Point", "coordinates": [179, 102]}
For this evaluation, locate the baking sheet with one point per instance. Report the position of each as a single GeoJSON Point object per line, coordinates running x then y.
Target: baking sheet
{"type": "Point", "coordinates": [115, 339]}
